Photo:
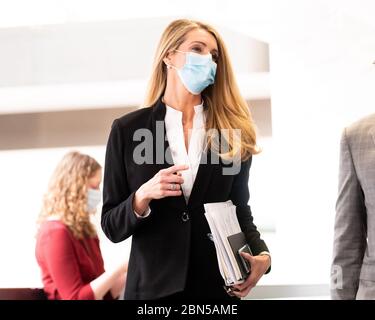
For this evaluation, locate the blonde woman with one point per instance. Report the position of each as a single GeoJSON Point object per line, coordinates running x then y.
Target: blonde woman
{"type": "Point", "coordinates": [67, 248]}
{"type": "Point", "coordinates": [161, 167]}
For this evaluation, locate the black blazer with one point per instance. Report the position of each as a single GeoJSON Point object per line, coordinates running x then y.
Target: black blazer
{"type": "Point", "coordinates": [166, 246]}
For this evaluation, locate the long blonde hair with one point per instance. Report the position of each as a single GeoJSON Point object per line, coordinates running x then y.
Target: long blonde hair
{"type": "Point", "coordinates": [226, 108]}
{"type": "Point", "coordinates": [66, 196]}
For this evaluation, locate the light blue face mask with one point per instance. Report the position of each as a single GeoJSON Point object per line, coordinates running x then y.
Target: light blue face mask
{"type": "Point", "coordinates": [94, 196]}
{"type": "Point", "coordinates": [198, 71]}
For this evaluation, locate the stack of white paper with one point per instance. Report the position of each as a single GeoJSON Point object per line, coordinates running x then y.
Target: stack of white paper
{"type": "Point", "coordinates": [222, 219]}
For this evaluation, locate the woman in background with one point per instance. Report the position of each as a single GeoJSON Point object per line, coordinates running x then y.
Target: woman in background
{"type": "Point", "coordinates": [67, 248]}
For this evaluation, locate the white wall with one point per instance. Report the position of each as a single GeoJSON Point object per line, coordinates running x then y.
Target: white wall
{"type": "Point", "coordinates": [100, 64]}
{"type": "Point", "coordinates": [322, 79]}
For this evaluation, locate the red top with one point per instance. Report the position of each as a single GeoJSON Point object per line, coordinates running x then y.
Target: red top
{"type": "Point", "coordinates": [68, 265]}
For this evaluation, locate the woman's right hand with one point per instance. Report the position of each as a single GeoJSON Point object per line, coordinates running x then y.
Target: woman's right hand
{"type": "Point", "coordinates": [166, 183]}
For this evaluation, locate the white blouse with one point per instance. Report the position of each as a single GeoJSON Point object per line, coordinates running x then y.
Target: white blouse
{"type": "Point", "coordinates": [176, 140]}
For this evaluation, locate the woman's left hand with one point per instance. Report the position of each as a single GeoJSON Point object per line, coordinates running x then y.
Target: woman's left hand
{"type": "Point", "coordinates": [259, 265]}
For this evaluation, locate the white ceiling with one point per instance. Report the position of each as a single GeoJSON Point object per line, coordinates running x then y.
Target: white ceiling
{"type": "Point", "coordinates": [342, 25]}
{"type": "Point", "coordinates": [102, 64]}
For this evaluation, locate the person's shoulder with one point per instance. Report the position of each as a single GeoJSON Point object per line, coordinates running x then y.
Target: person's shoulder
{"type": "Point", "coordinates": [54, 229]}
{"type": "Point", "coordinates": [135, 119]}
{"type": "Point", "coordinates": [361, 127]}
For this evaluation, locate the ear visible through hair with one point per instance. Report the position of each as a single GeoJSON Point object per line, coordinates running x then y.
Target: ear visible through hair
{"type": "Point", "coordinates": [167, 62]}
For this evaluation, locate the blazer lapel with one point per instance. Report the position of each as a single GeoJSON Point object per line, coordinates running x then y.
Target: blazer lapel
{"type": "Point", "coordinates": [202, 180]}
{"type": "Point", "coordinates": [160, 143]}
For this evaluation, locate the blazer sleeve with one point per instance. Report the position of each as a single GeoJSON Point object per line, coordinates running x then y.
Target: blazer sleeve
{"type": "Point", "coordinates": [118, 219]}
{"type": "Point", "coordinates": [350, 228]}
{"type": "Point", "coordinates": [240, 196]}
{"type": "Point", "coordinates": [62, 264]}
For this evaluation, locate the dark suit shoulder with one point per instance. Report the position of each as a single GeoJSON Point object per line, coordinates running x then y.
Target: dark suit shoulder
{"type": "Point", "coordinates": [135, 119]}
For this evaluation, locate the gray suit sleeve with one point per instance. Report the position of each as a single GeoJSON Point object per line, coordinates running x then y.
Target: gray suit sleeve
{"type": "Point", "coordinates": [350, 231]}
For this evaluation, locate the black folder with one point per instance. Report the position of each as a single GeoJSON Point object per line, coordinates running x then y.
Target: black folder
{"type": "Point", "coordinates": [238, 242]}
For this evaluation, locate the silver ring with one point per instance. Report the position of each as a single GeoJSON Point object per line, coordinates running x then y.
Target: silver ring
{"type": "Point", "coordinates": [172, 186]}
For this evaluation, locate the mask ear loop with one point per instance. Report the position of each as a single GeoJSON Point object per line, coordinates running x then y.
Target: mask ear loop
{"type": "Point", "coordinates": [186, 52]}
{"type": "Point", "coordinates": [181, 51]}
{"type": "Point", "coordinates": [169, 66]}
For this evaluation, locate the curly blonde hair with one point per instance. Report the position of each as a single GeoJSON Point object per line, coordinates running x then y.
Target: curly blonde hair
{"type": "Point", "coordinates": [66, 196]}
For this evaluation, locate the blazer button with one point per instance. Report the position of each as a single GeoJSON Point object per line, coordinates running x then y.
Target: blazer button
{"type": "Point", "coordinates": [185, 216]}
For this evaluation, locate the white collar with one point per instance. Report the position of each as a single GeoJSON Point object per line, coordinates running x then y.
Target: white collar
{"type": "Point", "coordinates": [177, 113]}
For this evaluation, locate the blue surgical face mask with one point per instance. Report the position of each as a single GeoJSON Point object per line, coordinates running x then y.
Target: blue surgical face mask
{"type": "Point", "coordinates": [94, 197]}
{"type": "Point", "coordinates": [198, 71]}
